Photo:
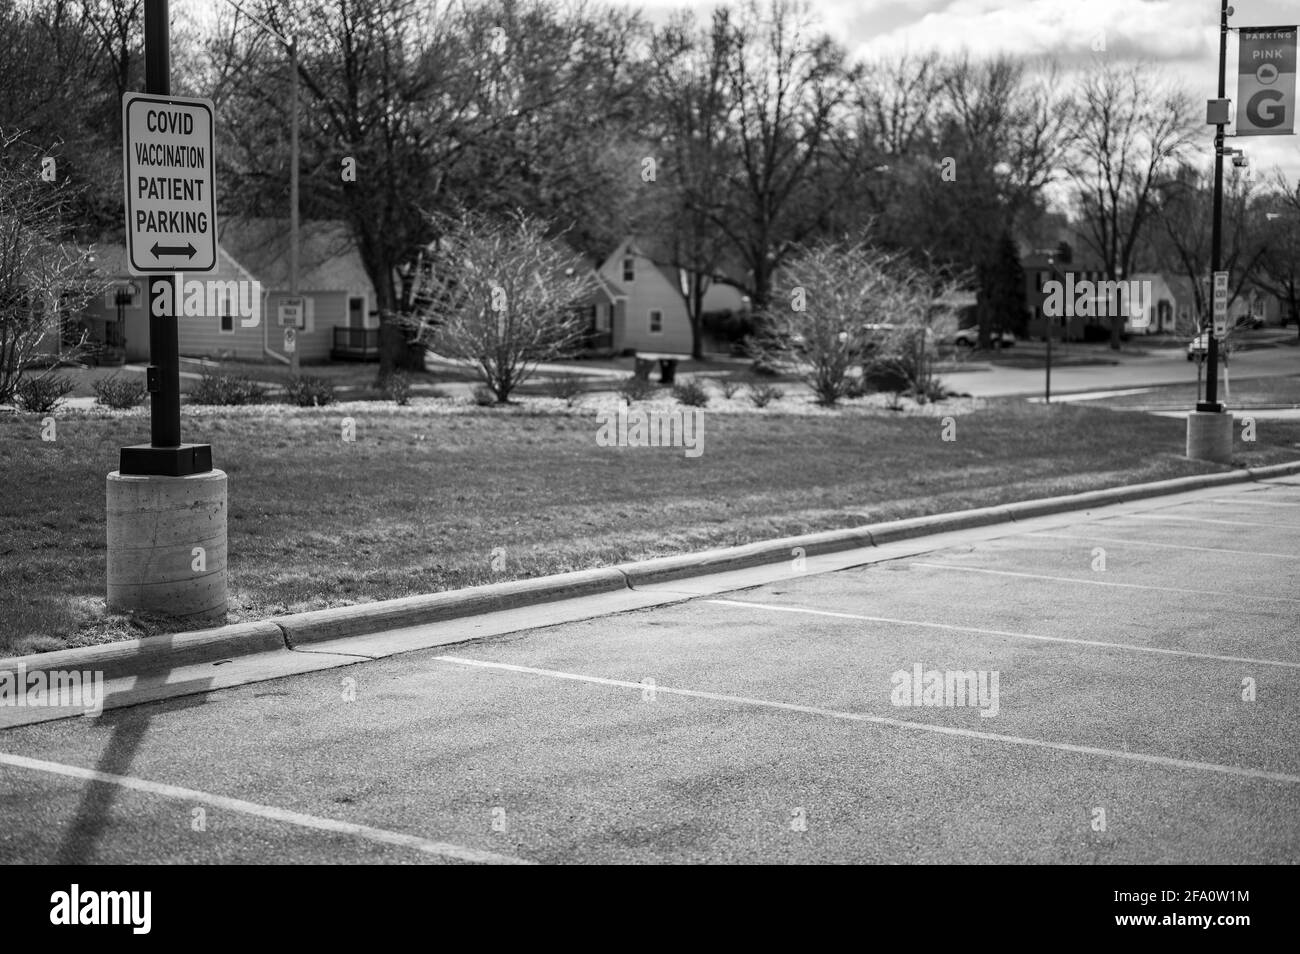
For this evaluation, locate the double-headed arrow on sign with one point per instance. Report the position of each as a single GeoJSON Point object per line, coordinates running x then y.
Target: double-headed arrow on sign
{"type": "Point", "coordinates": [187, 250]}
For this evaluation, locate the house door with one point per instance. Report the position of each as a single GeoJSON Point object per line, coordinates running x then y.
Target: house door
{"type": "Point", "coordinates": [356, 312]}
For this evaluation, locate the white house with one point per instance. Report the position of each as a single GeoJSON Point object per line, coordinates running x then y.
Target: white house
{"type": "Point", "coordinates": [646, 310]}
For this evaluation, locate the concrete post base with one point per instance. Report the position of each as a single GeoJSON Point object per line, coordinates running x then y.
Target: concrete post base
{"type": "Point", "coordinates": [167, 545]}
{"type": "Point", "coordinates": [1209, 436]}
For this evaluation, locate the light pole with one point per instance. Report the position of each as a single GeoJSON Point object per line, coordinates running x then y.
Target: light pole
{"type": "Point", "coordinates": [291, 45]}
{"type": "Point", "coordinates": [1209, 429]}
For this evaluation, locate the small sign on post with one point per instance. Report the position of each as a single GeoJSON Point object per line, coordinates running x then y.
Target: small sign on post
{"type": "Point", "coordinates": [293, 312]}
{"type": "Point", "coordinates": [1220, 304]}
{"type": "Point", "coordinates": [290, 340]}
{"type": "Point", "coordinates": [171, 208]}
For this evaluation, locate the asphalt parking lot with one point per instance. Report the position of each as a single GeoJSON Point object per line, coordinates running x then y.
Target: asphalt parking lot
{"type": "Point", "coordinates": [1134, 700]}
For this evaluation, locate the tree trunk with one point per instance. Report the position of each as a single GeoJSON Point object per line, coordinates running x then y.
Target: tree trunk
{"type": "Point", "coordinates": [696, 309]}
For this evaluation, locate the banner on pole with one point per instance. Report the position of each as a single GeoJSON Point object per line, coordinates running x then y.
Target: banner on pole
{"type": "Point", "coordinates": [1266, 69]}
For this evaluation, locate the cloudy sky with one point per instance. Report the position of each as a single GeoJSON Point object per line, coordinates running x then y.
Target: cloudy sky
{"type": "Point", "coordinates": [1181, 35]}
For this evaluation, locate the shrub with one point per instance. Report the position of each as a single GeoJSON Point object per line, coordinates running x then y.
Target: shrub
{"type": "Point", "coordinates": [397, 388]}
{"type": "Point", "coordinates": [729, 387]}
{"type": "Point", "coordinates": [306, 390]}
{"type": "Point", "coordinates": [119, 391]}
{"type": "Point", "coordinates": [885, 377]}
{"type": "Point", "coordinates": [42, 395]}
{"type": "Point", "coordinates": [484, 396]}
{"type": "Point", "coordinates": [566, 387]}
{"type": "Point", "coordinates": [227, 389]}
{"type": "Point", "coordinates": [935, 390]}
{"type": "Point", "coordinates": [635, 389]}
{"type": "Point", "coordinates": [761, 395]}
{"type": "Point", "coordinates": [691, 393]}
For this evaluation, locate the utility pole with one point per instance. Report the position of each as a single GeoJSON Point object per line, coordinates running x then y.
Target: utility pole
{"type": "Point", "coordinates": [1211, 402]}
{"type": "Point", "coordinates": [293, 188]}
{"type": "Point", "coordinates": [291, 45]}
{"type": "Point", "coordinates": [1209, 428]}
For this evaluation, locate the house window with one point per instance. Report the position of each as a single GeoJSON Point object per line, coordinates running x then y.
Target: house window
{"type": "Point", "coordinates": [1257, 308]}
{"type": "Point", "coordinates": [629, 270]}
{"type": "Point", "coordinates": [603, 313]}
{"type": "Point", "coordinates": [227, 319]}
{"type": "Point", "coordinates": [656, 322]}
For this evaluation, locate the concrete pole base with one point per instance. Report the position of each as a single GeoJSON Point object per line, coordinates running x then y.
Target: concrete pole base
{"type": "Point", "coordinates": [167, 545]}
{"type": "Point", "coordinates": [1209, 436]}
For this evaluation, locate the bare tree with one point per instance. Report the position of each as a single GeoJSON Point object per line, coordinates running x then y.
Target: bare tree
{"type": "Point", "coordinates": [691, 94]}
{"type": "Point", "coordinates": [1133, 128]}
{"type": "Point", "coordinates": [1182, 242]}
{"type": "Point", "coordinates": [789, 88]}
{"type": "Point", "coordinates": [848, 305]}
{"type": "Point", "coordinates": [507, 298]}
{"type": "Point", "coordinates": [1278, 216]}
{"type": "Point", "coordinates": [43, 276]}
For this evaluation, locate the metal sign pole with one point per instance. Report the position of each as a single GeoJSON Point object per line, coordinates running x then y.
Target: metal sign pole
{"type": "Point", "coordinates": [1211, 402]}
{"type": "Point", "coordinates": [165, 507]}
{"type": "Point", "coordinates": [164, 455]}
{"type": "Point", "coordinates": [164, 345]}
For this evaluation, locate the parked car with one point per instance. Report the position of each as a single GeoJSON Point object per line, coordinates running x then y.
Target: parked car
{"type": "Point", "coordinates": [1251, 322]}
{"type": "Point", "coordinates": [970, 337]}
{"type": "Point", "coordinates": [1199, 347]}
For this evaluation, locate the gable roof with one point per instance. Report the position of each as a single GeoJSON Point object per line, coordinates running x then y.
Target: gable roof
{"type": "Point", "coordinates": [328, 258]}
{"type": "Point", "coordinates": [661, 255]}
{"type": "Point", "coordinates": [111, 260]}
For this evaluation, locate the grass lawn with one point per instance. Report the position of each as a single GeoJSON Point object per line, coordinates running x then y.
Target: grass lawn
{"type": "Point", "coordinates": [422, 498]}
{"type": "Point", "coordinates": [1246, 393]}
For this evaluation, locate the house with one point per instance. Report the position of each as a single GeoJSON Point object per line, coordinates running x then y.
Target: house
{"type": "Point", "coordinates": [118, 320]}
{"type": "Point", "coordinates": [254, 255]}
{"type": "Point", "coordinates": [1085, 286]}
{"type": "Point", "coordinates": [341, 316]}
{"type": "Point", "coordinates": [1157, 306]}
{"type": "Point", "coordinates": [645, 300]}
{"type": "Point", "coordinates": [1251, 303]}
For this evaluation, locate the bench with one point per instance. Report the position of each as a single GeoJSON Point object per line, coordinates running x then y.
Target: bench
{"type": "Point", "coordinates": [667, 364]}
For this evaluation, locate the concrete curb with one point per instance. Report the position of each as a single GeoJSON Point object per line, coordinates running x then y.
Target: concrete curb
{"type": "Point", "coordinates": [363, 618]}
{"type": "Point", "coordinates": [155, 653]}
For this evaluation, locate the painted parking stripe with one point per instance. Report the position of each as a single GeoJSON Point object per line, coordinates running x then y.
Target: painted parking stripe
{"type": "Point", "coordinates": [1164, 546]}
{"type": "Point", "coordinates": [951, 627]}
{"type": "Point", "coordinates": [1232, 523]}
{"type": "Point", "coordinates": [1161, 760]}
{"type": "Point", "coordinates": [1255, 501]}
{"type": "Point", "coordinates": [268, 812]}
{"type": "Point", "coordinates": [1076, 579]}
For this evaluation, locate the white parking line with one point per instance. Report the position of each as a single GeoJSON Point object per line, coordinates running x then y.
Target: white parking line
{"type": "Point", "coordinates": [1233, 523]}
{"type": "Point", "coordinates": [1076, 579]}
{"type": "Point", "coordinates": [1256, 502]}
{"type": "Point", "coordinates": [1162, 760]}
{"type": "Point", "coordinates": [268, 812]}
{"type": "Point", "coordinates": [1165, 546]}
{"type": "Point", "coordinates": [950, 627]}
